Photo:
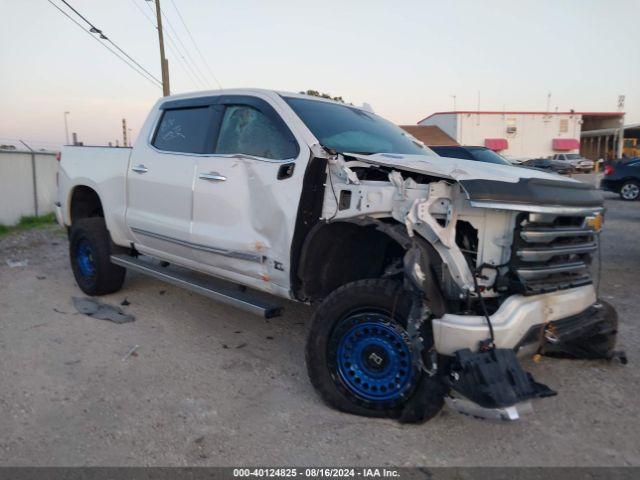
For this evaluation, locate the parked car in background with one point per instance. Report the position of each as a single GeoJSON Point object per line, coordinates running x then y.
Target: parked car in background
{"type": "Point", "coordinates": [515, 160]}
{"type": "Point", "coordinates": [555, 166]}
{"type": "Point", "coordinates": [623, 178]}
{"type": "Point", "coordinates": [577, 161]}
{"type": "Point", "coordinates": [480, 154]}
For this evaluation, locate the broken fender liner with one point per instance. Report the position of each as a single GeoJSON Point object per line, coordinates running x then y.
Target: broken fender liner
{"type": "Point", "coordinates": [494, 379]}
{"type": "Point", "coordinates": [426, 401]}
{"type": "Point", "coordinates": [96, 309]}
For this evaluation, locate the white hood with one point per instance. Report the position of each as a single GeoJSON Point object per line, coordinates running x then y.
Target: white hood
{"type": "Point", "coordinates": [457, 168]}
{"type": "Point", "coordinates": [492, 185]}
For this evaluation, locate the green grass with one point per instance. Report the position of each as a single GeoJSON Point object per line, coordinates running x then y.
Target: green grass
{"type": "Point", "coordinates": [28, 222]}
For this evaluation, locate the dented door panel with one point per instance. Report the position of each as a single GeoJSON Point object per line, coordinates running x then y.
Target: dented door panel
{"type": "Point", "coordinates": [246, 221]}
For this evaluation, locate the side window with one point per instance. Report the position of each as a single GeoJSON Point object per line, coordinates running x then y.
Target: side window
{"type": "Point", "coordinates": [246, 130]}
{"type": "Point", "coordinates": [183, 130]}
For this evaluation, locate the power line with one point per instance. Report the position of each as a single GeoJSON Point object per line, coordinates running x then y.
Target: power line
{"type": "Point", "coordinates": [152, 21]}
{"type": "Point", "coordinates": [186, 50]}
{"type": "Point", "coordinates": [95, 29]}
{"type": "Point", "coordinates": [153, 80]}
{"type": "Point", "coordinates": [204, 60]}
{"type": "Point", "coordinates": [141, 10]}
{"type": "Point", "coordinates": [190, 63]}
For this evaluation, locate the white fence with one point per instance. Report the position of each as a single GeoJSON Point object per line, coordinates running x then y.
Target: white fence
{"type": "Point", "coordinates": [25, 190]}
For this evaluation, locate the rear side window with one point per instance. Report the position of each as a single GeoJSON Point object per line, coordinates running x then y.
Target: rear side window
{"type": "Point", "coordinates": [183, 130]}
{"type": "Point", "coordinates": [246, 130]}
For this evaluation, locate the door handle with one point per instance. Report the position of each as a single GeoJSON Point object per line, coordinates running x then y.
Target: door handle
{"type": "Point", "coordinates": [212, 177]}
{"type": "Point", "coordinates": [140, 168]}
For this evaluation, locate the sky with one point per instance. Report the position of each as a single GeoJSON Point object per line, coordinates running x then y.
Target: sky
{"type": "Point", "coordinates": [405, 58]}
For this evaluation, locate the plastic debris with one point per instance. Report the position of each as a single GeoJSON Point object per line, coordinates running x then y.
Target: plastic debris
{"type": "Point", "coordinates": [17, 263]}
{"type": "Point", "coordinates": [96, 309]}
{"type": "Point", "coordinates": [131, 352]}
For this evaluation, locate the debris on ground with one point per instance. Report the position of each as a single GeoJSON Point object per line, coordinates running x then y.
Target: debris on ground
{"type": "Point", "coordinates": [162, 292]}
{"type": "Point", "coordinates": [41, 277]}
{"type": "Point", "coordinates": [96, 309]}
{"type": "Point", "coordinates": [125, 302]}
{"type": "Point", "coordinates": [17, 263]}
{"type": "Point", "coordinates": [131, 353]}
{"type": "Point", "coordinates": [242, 345]}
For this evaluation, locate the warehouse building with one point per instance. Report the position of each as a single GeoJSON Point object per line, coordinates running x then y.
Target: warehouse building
{"type": "Point", "coordinates": [521, 134]}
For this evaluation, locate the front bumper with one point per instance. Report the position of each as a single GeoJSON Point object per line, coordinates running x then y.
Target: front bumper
{"type": "Point", "coordinates": [512, 322]}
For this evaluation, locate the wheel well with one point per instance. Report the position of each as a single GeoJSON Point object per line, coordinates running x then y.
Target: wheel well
{"type": "Point", "coordinates": [85, 203]}
{"type": "Point", "coordinates": [337, 253]}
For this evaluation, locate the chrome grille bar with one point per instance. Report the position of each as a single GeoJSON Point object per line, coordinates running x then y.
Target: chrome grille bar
{"type": "Point", "coordinates": [536, 273]}
{"type": "Point", "coordinates": [548, 234]}
{"type": "Point", "coordinates": [547, 253]}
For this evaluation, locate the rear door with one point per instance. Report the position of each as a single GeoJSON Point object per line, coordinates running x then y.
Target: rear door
{"type": "Point", "coordinates": [246, 194]}
{"type": "Point", "coordinates": [160, 179]}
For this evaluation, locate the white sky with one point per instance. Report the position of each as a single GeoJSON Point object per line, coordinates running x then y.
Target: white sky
{"type": "Point", "coordinates": [405, 58]}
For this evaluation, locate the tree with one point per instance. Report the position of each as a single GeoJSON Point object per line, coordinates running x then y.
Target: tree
{"type": "Point", "coordinates": [316, 93]}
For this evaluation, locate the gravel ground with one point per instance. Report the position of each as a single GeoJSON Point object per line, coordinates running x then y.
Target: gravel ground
{"type": "Point", "coordinates": [210, 385]}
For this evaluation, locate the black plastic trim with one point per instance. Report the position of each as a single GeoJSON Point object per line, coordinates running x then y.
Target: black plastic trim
{"type": "Point", "coordinates": [534, 191]}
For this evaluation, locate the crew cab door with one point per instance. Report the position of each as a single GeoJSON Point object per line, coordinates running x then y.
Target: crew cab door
{"type": "Point", "coordinates": [246, 194]}
{"type": "Point", "coordinates": [160, 180]}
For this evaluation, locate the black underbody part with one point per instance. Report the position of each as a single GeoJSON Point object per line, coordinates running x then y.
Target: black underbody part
{"type": "Point", "coordinates": [590, 335]}
{"type": "Point", "coordinates": [494, 379]}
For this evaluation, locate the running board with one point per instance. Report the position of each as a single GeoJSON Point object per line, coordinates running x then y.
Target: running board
{"type": "Point", "coordinates": [219, 290]}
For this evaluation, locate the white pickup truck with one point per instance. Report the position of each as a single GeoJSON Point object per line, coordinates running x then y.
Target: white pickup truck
{"type": "Point", "coordinates": [428, 274]}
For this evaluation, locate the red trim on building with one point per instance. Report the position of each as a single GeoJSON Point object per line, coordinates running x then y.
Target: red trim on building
{"type": "Point", "coordinates": [564, 144]}
{"type": "Point", "coordinates": [487, 112]}
{"type": "Point", "coordinates": [496, 144]}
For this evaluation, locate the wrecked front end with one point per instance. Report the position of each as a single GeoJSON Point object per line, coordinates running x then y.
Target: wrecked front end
{"type": "Point", "coordinates": [498, 260]}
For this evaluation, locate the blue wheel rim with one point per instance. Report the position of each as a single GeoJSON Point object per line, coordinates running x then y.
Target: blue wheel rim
{"type": "Point", "coordinates": [84, 258]}
{"type": "Point", "coordinates": [373, 358]}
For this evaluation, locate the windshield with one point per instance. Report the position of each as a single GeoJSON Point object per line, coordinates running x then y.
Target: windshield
{"type": "Point", "coordinates": [486, 155]}
{"type": "Point", "coordinates": [574, 156]}
{"type": "Point", "coordinates": [348, 129]}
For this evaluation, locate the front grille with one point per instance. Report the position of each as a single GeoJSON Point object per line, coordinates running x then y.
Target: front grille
{"type": "Point", "coordinates": [551, 252]}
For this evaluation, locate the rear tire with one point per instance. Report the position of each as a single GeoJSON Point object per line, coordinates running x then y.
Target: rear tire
{"type": "Point", "coordinates": [630, 190]}
{"type": "Point", "coordinates": [90, 249]}
{"type": "Point", "coordinates": [358, 353]}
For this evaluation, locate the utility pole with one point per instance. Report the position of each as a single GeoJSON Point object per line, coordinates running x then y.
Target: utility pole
{"type": "Point", "coordinates": [66, 127]}
{"type": "Point", "coordinates": [164, 64]}
{"type": "Point", "coordinates": [124, 133]}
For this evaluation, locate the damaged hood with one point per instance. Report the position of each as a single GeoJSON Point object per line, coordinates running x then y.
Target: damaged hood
{"type": "Point", "coordinates": [491, 183]}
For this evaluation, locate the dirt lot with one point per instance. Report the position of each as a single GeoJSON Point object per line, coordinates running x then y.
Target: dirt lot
{"type": "Point", "coordinates": [213, 386]}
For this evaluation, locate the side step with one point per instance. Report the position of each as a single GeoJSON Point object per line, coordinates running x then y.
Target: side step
{"type": "Point", "coordinates": [214, 288]}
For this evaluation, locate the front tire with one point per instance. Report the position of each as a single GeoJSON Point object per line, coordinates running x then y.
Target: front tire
{"type": "Point", "coordinates": [630, 190]}
{"type": "Point", "coordinates": [89, 252]}
{"type": "Point", "coordinates": [358, 353]}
